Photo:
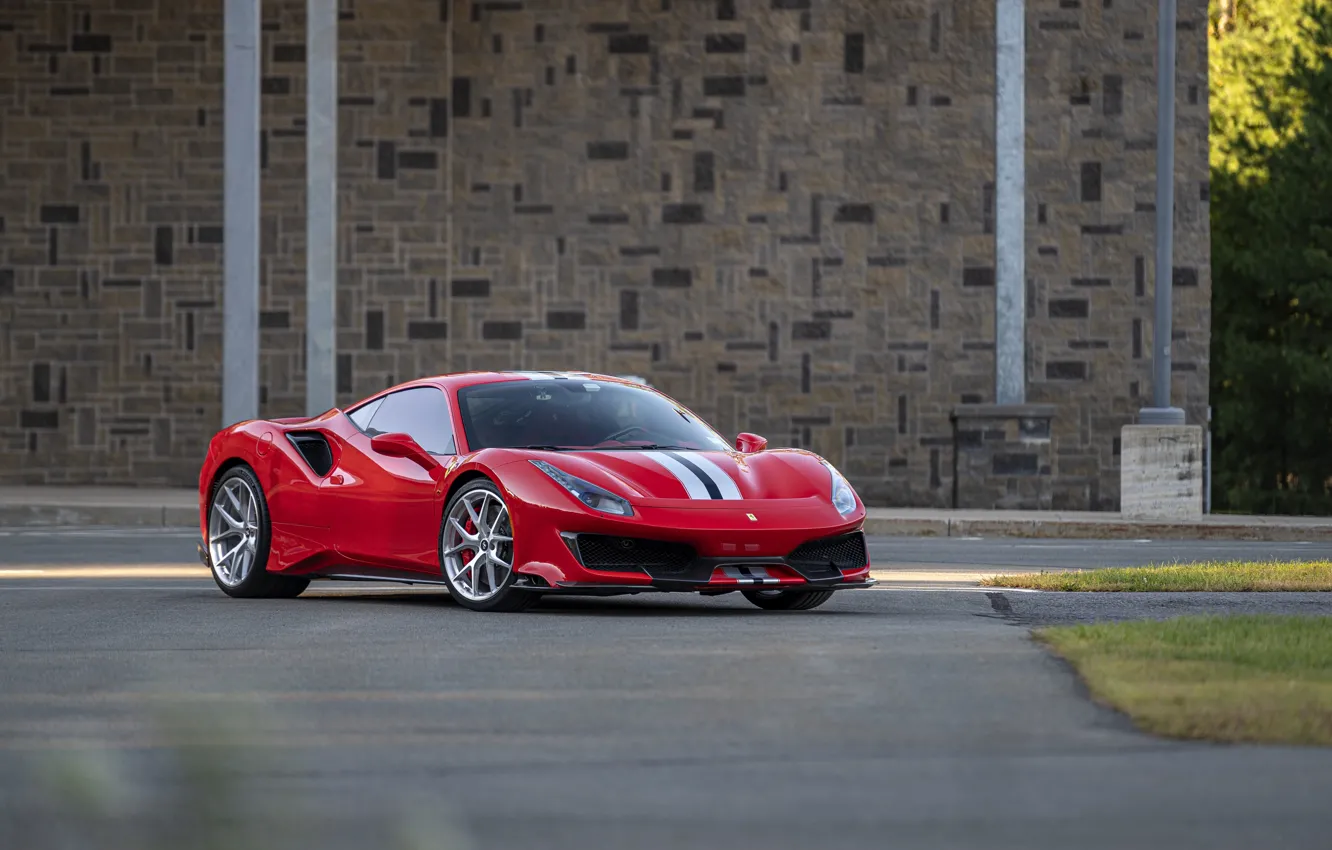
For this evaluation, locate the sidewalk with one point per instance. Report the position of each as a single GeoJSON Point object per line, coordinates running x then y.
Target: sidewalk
{"type": "Point", "coordinates": [47, 507]}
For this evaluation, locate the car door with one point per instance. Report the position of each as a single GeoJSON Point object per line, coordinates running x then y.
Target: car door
{"type": "Point", "coordinates": [385, 511]}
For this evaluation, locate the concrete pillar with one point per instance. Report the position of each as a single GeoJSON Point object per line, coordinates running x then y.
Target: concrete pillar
{"type": "Point", "coordinates": [240, 216]}
{"type": "Point", "coordinates": [1010, 190]}
{"type": "Point", "coordinates": [321, 205]}
{"type": "Point", "coordinates": [1160, 472]}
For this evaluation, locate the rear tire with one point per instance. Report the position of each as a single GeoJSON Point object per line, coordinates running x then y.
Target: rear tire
{"type": "Point", "coordinates": [788, 600]}
{"type": "Point", "coordinates": [239, 534]}
{"type": "Point", "coordinates": [476, 551]}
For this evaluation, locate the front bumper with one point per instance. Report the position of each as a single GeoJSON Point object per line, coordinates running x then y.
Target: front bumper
{"type": "Point", "coordinates": [610, 564]}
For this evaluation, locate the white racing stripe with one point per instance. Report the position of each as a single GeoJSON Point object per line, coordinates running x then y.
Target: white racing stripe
{"type": "Point", "coordinates": [705, 480]}
{"type": "Point", "coordinates": [693, 486]}
{"type": "Point", "coordinates": [724, 482]}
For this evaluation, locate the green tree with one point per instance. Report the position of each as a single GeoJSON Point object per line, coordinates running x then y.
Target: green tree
{"type": "Point", "coordinates": [1271, 156]}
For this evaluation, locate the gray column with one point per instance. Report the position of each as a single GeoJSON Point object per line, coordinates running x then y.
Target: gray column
{"type": "Point", "coordinates": [1010, 203]}
{"type": "Point", "coordinates": [321, 200]}
{"type": "Point", "coordinates": [240, 217]}
{"type": "Point", "coordinates": [1162, 412]}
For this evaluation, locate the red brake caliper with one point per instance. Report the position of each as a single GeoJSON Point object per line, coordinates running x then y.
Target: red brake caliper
{"type": "Point", "coordinates": [467, 554]}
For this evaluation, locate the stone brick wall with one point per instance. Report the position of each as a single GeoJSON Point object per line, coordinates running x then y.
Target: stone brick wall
{"type": "Point", "coordinates": [779, 211]}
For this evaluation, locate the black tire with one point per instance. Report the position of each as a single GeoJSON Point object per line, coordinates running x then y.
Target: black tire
{"type": "Point", "coordinates": [788, 600]}
{"type": "Point", "coordinates": [259, 583]}
{"type": "Point", "coordinates": [508, 600]}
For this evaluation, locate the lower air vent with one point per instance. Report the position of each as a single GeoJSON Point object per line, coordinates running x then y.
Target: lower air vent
{"type": "Point", "coordinates": [844, 553]}
{"type": "Point", "coordinates": [315, 449]}
{"type": "Point", "coordinates": [601, 552]}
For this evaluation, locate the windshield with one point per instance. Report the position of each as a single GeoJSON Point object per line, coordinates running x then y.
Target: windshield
{"type": "Point", "coordinates": [578, 414]}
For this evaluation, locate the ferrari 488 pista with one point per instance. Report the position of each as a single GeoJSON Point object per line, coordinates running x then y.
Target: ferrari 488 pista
{"type": "Point", "coordinates": [506, 486]}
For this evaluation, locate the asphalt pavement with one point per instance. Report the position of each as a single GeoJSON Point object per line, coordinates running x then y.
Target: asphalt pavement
{"type": "Point", "coordinates": [888, 717]}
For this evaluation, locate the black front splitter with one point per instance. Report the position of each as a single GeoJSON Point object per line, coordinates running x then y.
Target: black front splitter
{"type": "Point", "coordinates": [595, 589]}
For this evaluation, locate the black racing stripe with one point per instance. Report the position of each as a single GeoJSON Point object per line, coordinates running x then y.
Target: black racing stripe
{"type": "Point", "coordinates": [713, 491]}
{"type": "Point", "coordinates": [744, 571]}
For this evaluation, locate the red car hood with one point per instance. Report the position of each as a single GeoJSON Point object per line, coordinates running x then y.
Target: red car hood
{"type": "Point", "coordinates": [691, 478]}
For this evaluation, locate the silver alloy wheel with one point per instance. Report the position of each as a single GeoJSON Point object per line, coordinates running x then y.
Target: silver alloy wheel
{"type": "Point", "coordinates": [233, 531]}
{"type": "Point", "coordinates": [478, 546]}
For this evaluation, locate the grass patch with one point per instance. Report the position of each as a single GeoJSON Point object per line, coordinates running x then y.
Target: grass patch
{"type": "Point", "coordinates": [1265, 679]}
{"type": "Point", "coordinates": [1206, 576]}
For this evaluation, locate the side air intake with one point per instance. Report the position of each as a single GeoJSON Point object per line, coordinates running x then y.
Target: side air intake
{"type": "Point", "coordinates": [314, 449]}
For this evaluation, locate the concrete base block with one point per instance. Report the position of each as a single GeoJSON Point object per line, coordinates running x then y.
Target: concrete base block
{"type": "Point", "coordinates": [1160, 472]}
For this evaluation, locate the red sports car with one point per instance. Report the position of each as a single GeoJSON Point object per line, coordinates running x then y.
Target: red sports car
{"type": "Point", "coordinates": [505, 486]}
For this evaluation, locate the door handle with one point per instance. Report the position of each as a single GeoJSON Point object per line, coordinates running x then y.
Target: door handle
{"type": "Point", "coordinates": [336, 479]}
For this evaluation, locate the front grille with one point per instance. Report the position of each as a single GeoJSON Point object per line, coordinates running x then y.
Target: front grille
{"type": "Point", "coordinates": [602, 552]}
{"type": "Point", "coordinates": [841, 553]}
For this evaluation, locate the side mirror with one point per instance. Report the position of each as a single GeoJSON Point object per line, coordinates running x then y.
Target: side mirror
{"type": "Point", "coordinates": [401, 445]}
{"type": "Point", "coordinates": [747, 443]}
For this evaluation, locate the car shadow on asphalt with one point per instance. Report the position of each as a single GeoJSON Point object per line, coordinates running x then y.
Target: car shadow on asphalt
{"type": "Point", "coordinates": [622, 606]}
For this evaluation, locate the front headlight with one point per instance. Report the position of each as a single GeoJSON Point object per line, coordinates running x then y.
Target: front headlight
{"type": "Point", "coordinates": [843, 497]}
{"type": "Point", "coordinates": [586, 492]}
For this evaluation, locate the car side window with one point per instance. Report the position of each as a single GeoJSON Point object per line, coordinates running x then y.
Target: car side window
{"type": "Point", "coordinates": [362, 415]}
{"type": "Point", "coordinates": [421, 413]}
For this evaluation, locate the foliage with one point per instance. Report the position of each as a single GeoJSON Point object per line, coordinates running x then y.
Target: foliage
{"type": "Point", "coordinates": [1271, 139]}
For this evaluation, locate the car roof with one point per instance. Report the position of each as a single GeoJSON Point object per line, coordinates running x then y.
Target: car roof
{"type": "Point", "coordinates": [457, 380]}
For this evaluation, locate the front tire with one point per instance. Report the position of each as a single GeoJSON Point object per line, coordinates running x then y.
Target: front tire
{"type": "Point", "coordinates": [239, 534]}
{"type": "Point", "coordinates": [476, 551]}
{"type": "Point", "coordinates": [788, 600]}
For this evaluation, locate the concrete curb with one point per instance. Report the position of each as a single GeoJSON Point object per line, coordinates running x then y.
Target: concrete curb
{"type": "Point", "coordinates": [67, 516]}
{"type": "Point", "coordinates": [1111, 528]}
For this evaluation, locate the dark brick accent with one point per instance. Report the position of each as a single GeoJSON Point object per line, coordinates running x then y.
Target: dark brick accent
{"type": "Point", "coordinates": [467, 287]}
{"type": "Point", "coordinates": [628, 309]}
{"type": "Point", "coordinates": [1091, 181]}
{"type": "Point", "coordinates": [1074, 370]}
{"type": "Point", "coordinates": [854, 214]}
{"type": "Point", "coordinates": [1184, 276]}
{"type": "Point", "coordinates": [60, 214]}
{"type": "Point", "coordinates": [853, 53]}
{"type": "Point", "coordinates": [1112, 94]}
{"type": "Point", "coordinates": [461, 97]}
{"type": "Point", "coordinates": [1068, 308]}
{"type": "Point", "coordinates": [87, 42]}
{"type": "Point", "coordinates": [682, 214]}
{"type": "Point", "coordinates": [811, 330]}
{"type": "Point", "coordinates": [566, 320]}
{"type": "Point", "coordinates": [704, 174]}
{"type": "Point", "coordinates": [978, 276]}
{"type": "Point", "coordinates": [1016, 464]}
{"type": "Point", "coordinates": [425, 160]}
{"type": "Point", "coordinates": [274, 320]}
{"type": "Point", "coordinates": [607, 150]}
{"type": "Point", "coordinates": [425, 330]}
{"type": "Point", "coordinates": [725, 43]}
{"type": "Point", "coordinates": [374, 330]}
{"type": "Point", "coordinates": [46, 420]}
{"type": "Point", "coordinates": [630, 43]}
{"type": "Point", "coordinates": [502, 330]}
{"type": "Point", "coordinates": [672, 278]}
{"type": "Point", "coordinates": [723, 86]}
{"type": "Point", "coordinates": [439, 117]}
{"type": "Point", "coordinates": [288, 53]}
{"type": "Point", "coordinates": [163, 246]}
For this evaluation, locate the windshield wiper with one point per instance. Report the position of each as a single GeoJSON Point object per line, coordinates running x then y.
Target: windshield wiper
{"type": "Point", "coordinates": [650, 447]}
{"type": "Point", "coordinates": [545, 448]}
